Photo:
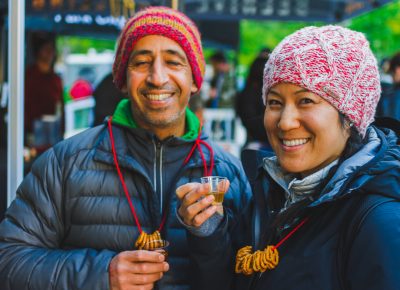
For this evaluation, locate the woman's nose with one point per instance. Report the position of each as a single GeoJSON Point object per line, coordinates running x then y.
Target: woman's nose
{"type": "Point", "coordinates": [289, 119]}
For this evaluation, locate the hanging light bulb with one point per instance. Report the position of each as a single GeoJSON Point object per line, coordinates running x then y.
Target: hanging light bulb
{"type": "Point", "coordinates": [115, 8]}
{"type": "Point", "coordinates": [56, 3]}
{"type": "Point", "coordinates": [175, 4]}
{"type": "Point", "coordinates": [38, 4]}
{"type": "Point", "coordinates": [129, 8]}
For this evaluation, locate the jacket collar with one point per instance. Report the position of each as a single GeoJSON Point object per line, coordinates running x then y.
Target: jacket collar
{"type": "Point", "coordinates": [296, 189]}
{"type": "Point", "coordinates": [122, 134]}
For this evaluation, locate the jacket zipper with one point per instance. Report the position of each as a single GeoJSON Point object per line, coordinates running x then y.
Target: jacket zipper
{"type": "Point", "coordinates": [157, 171]}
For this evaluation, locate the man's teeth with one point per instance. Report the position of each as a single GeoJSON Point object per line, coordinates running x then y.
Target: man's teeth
{"type": "Point", "coordinates": [294, 142]}
{"type": "Point", "coordinates": [160, 97]}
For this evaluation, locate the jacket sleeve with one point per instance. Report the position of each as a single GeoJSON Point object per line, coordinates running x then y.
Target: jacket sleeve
{"type": "Point", "coordinates": [374, 259]}
{"type": "Point", "coordinates": [212, 257]}
{"type": "Point", "coordinates": [31, 237]}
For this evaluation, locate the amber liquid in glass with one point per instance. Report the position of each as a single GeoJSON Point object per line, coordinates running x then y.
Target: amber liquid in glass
{"type": "Point", "coordinates": [218, 196]}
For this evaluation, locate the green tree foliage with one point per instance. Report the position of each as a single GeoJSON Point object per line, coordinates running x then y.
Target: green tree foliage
{"type": "Point", "coordinates": [76, 44]}
{"type": "Point", "coordinates": [382, 28]}
{"type": "Point", "coordinates": [255, 35]}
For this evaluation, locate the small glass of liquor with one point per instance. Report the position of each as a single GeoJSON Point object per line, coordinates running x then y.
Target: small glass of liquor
{"type": "Point", "coordinates": [218, 187]}
{"type": "Point", "coordinates": [160, 246]}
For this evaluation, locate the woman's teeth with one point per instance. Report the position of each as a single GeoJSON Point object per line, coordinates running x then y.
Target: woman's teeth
{"type": "Point", "coordinates": [294, 142]}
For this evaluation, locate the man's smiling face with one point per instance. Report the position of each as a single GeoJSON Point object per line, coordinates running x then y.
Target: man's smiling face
{"type": "Point", "coordinates": [159, 84]}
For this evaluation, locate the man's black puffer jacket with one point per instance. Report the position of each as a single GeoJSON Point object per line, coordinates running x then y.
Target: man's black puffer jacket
{"type": "Point", "coordinates": [71, 216]}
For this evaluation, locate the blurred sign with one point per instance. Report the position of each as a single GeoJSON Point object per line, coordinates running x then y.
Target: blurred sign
{"type": "Point", "coordinates": [317, 10]}
{"type": "Point", "coordinates": [306, 10]}
{"type": "Point", "coordinates": [88, 19]}
{"type": "Point", "coordinates": [251, 8]}
{"type": "Point", "coordinates": [116, 8]}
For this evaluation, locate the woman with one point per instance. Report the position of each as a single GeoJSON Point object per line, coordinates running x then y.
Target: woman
{"type": "Point", "coordinates": [325, 211]}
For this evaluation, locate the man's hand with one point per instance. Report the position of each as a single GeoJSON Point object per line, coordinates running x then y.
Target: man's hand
{"type": "Point", "coordinates": [195, 209]}
{"type": "Point", "coordinates": [136, 270]}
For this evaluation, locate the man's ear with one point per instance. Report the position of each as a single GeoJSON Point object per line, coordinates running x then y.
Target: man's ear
{"type": "Point", "coordinates": [124, 89]}
{"type": "Point", "coordinates": [194, 89]}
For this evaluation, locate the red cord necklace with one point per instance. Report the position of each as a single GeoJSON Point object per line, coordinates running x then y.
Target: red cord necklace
{"type": "Point", "coordinates": [145, 239]}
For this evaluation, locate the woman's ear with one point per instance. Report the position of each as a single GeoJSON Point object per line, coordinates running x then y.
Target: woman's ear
{"type": "Point", "coordinates": [348, 126]}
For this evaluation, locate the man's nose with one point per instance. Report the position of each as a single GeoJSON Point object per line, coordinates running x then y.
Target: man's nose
{"type": "Point", "coordinates": [158, 75]}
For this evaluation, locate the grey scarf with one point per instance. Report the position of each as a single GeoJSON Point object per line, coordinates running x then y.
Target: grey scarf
{"type": "Point", "coordinates": [296, 189]}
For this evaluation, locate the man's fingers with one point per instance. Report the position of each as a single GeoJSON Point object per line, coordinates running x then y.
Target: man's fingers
{"type": "Point", "coordinates": [142, 256]}
{"type": "Point", "coordinates": [149, 268]}
{"type": "Point", "coordinates": [126, 271]}
{"type": "Point", "coordinates": [144, 279]}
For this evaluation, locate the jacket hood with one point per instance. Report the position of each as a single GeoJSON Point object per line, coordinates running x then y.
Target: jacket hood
{"type": "Point", "coordinates": [384, 174]}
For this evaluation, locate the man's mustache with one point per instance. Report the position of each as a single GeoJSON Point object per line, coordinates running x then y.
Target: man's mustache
{"type": "Point", "coordinates": [150, 88]}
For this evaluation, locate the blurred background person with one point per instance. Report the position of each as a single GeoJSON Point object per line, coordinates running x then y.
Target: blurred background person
{"type": "Point", "coordinates": [83, 86]}
{"type": "Point", "coordinates": [107, 96]}
{"type": "Point", "coordinates": [197, 106]}
{"type": "Point", "coordinates": [249, 105]}
{"type": "Point", "coordinates": [389, 104]}
{"type": "Point", "coordinates": [222, 84]}
{"type": "Point", "coordinates": [43, 95]}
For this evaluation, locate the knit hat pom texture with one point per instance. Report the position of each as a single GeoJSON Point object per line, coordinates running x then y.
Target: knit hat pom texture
{"type": "Point", "coordinates": [164, 21]}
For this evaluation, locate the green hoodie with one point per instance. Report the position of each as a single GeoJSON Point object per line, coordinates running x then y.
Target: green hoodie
{"type": "Point", "coordinates": [123, 116]}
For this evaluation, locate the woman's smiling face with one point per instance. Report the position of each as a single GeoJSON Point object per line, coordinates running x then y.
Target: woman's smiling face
{"type": "Point", "coordinates": [304, 130]}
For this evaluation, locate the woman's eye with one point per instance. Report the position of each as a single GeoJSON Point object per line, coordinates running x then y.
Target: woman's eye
{"type": "Point", "coordinates": [306, 101]}
{"type": "Point", "coordinates": [273, 103]}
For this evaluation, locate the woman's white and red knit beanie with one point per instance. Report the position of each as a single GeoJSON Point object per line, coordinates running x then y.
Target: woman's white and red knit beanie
{"type": "Point", "coordinates": [334, 62]}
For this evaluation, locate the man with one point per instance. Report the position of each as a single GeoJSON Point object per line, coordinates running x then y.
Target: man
{"type": "Point", "coordinates": [90, 199]}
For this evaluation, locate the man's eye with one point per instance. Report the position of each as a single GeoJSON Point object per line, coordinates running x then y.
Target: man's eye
{"type": "Point", "coordinates": [139, 63]}
{"type": "Point", "coordinates": [174, 63]}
